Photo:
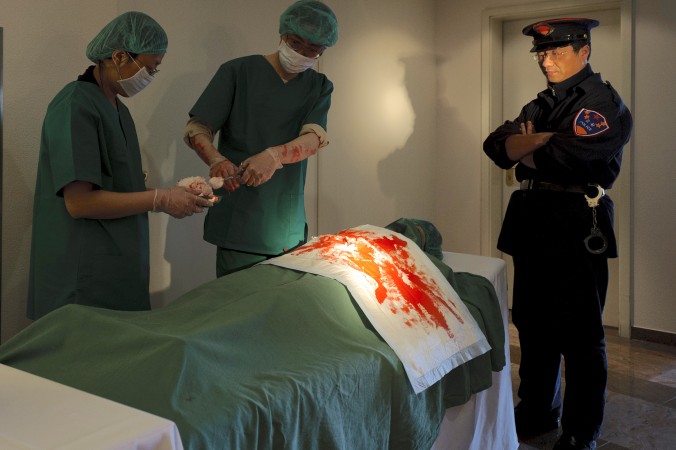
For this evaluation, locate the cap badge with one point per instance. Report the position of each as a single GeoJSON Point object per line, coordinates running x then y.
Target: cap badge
{"type": "Point", "coordinates": [543, 28]}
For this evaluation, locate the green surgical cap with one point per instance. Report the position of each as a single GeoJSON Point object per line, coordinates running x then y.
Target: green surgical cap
{"type": "Point", "coordinates": [312, 20]}
{"type": "Point", "coordinates": [133, 32]}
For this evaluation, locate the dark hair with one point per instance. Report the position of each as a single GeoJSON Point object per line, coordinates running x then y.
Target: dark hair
{"type": "Point", "coordinates": [577, 45]}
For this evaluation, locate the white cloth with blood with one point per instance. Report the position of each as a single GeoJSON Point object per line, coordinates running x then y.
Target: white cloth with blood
{"type": "Point", "coordinates": [402, 293]}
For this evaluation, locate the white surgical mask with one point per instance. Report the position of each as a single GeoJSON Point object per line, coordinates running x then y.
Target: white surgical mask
{"type": "Point", "coordinates": [292, 61]}
{"type": "Point", "coordinates": [135, 84]}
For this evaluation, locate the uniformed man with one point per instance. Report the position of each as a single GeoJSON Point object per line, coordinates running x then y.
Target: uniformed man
{"type": "Point", "coordinates": [567, 147]}
{"type": "Point", "coordinates": [271, 112]}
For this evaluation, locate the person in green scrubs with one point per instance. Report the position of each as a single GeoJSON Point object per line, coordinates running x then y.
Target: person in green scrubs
{"type": "Point", "coordinates": [90, 243]}
{"type": "Point", "coordinates": [271, 113]}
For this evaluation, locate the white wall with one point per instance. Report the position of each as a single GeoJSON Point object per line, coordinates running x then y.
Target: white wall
{"type": "Point", "coordinates": [654, 167]}
{"type": "Point", "coordinates": [395, 149]}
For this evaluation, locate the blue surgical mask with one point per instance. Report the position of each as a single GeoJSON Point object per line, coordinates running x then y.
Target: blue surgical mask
{"type": "Point", "coordinates": [292, 61]}
{"type": "Point", "coordinates": [137, 82]}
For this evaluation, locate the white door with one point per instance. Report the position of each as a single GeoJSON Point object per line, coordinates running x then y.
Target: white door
{"type": "Point", "coordinates": [522, 80]}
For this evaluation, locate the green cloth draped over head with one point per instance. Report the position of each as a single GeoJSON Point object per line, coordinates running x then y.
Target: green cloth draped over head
{"type": "Point", "coordinates": [422, 232]}
{"type": "Point", "coordinates": [311, 20]}
{"type": "Point", "coordinates": [134, 32]}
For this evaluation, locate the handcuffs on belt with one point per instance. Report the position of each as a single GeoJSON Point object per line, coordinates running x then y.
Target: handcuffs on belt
{"type": "Point", "coordinates": [596, 243]}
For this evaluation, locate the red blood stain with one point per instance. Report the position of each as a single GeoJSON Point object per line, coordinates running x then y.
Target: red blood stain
{"type": "Point", "coordinates": [398, 281]}
{"type": "Point", "coordinates": [297, 152]}
{"type": "Point", "coordinates": [294, 150]}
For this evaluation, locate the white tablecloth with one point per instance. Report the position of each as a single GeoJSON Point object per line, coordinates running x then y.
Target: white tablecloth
{"type": "Point", "coordinates": [39, 414]}
{"type": "Point", "coordinates": [486, 421]}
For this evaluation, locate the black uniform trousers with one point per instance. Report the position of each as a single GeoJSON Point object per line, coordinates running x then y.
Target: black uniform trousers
{"type": "Point", "coordinates": [557, 309]}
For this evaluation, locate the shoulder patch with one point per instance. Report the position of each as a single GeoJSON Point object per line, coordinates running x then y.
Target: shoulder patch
{"type": "Point", "coordinates": [589, 123]}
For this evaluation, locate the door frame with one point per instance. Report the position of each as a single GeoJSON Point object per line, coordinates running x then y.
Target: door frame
{"type": "Point", "coordinates": [491, 117]}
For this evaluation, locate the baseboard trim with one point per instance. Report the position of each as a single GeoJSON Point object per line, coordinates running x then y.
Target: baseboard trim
{"type": "Point", "coordinates": [659, 337]}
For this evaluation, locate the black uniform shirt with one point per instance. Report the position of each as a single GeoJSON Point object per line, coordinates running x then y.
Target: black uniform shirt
{"type": "Point", "coordinates": [571, 157]}
{"type": "Point", "coordinates": [591, 126]}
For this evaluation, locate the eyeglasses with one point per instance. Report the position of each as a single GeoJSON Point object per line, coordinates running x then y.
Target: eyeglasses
{"type": "Point", "coordinates": [298, 46]}
{"type": "Point", "coordinates": [553, 55]}
{"type": "Point", "coordinates": [151, 72]}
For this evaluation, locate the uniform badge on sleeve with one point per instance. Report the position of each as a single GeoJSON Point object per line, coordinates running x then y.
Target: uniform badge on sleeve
{"type": "Point", "coordinates": [590, 123]}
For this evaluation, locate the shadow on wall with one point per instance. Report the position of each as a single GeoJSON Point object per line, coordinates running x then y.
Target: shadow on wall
{"type": "Point", "coordinates": [463, 159]}
{"type": "Point", "coordinates": [401, 172]}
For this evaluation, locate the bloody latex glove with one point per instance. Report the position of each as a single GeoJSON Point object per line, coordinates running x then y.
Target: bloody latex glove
{"type": "Point", "coordinates": [259, 168]}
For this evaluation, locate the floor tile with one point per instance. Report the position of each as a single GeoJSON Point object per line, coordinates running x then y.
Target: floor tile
{"type": "Point", "coordinates": [641, 398]}
{"type": "Point", "coordinates": [638, 424]}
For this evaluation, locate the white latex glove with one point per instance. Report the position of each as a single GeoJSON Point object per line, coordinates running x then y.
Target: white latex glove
{"type": "Point", "coordinates": [259, 168]}
{"type": "Point", "coordinates": [179, 202]}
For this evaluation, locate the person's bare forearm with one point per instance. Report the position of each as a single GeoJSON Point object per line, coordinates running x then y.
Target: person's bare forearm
{"type": "Point", "coordinates": [521, 145]}
{"type": "Point", "coordinates": [84, 202]}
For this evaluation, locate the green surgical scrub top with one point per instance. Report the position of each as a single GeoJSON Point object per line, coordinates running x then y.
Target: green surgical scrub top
{"type": "Point", "coordinates": [103, 263]}
{"type": "Point", "coordinates": [253, 109]}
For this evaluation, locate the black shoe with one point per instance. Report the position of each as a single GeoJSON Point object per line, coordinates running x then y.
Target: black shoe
{"type": "Point", "coordinates": [530, 425]}
{"type": "Point", "coordinates": [568, 442]}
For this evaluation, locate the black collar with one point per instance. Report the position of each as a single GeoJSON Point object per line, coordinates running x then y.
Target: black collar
{"type": "Point", "coordinates": [560, 90]}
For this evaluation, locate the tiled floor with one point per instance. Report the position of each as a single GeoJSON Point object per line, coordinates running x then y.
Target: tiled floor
{"type": "Point", "coordinates": [641, 406]}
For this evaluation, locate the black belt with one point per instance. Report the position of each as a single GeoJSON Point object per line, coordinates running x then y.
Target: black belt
{"type": "Point", "coordinates": [535, 184]}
